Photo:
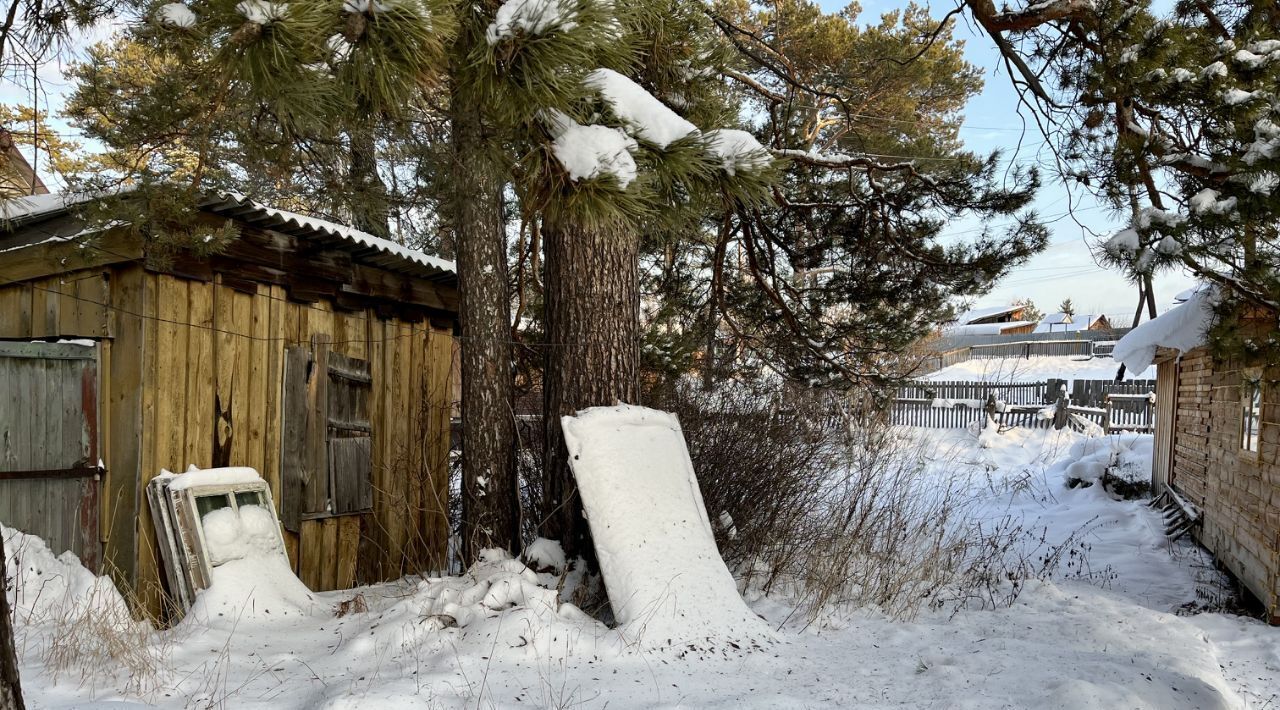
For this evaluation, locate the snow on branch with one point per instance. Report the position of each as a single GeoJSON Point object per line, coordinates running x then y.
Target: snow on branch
{"type": "Point", "coordinates": [587, 152]}
{"type": "Point", "coordinates": [530, 17]}
{"type": "Point", "coordinates": [642, 112]}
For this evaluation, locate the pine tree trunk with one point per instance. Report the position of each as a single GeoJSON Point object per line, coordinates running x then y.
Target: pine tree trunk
{"type": "Point", "coordinates": [10, 688]}
{"type": "Point", "coordinates": [592, 306]}
{"type": "Point", "coordinates": [490, 501]}
{"type": "Point", "coordinates": [369, 209]}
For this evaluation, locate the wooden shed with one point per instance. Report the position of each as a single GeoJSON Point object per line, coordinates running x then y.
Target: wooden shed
{"type": "Point", "coordinates": [1217, 455]}
{"type": "Point", "coordinates": [312, 352]}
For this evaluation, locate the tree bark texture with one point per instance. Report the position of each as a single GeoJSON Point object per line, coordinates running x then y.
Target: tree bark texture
{"type": "Point", "coordinates": [10, 688]}
{"type": "Point", "coordinates": [592, 303]}
{"type": "Point", "coordinates": [370, 211]}
{"type": "Point", "coordinates": [490, 501]}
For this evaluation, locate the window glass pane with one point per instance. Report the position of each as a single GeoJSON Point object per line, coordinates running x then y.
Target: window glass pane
{"type": "Point", "coordinates": [244, 498]}
{"type": "Point", "coordinates": [206, 504]}
{"type": "Point", "coordinates": [1250, 414]}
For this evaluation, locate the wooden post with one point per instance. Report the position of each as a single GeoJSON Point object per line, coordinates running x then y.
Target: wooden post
{"type": "Point", "coordinates": [990, 409]}
{"type": "Point", "coordinates": [1106, 416]}
{"type": "Point", "coordinates": [1060, 410]}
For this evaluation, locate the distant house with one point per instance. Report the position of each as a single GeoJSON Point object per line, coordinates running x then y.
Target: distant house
{"type": "Point", "coordinates": [1217, 453]}
{"type": "Point", "coordinates": [314, 353]}
{"type": "Point", "coordinates": [1067, 323]}
{"type": "Point", "coordinates": [17, 178]}
{"type": "Point", "coordinates": [991, 320]}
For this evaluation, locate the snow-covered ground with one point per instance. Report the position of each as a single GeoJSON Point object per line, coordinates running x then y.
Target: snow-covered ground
{"type": "Point", "coordinates": [1036, 369]}
{"type": "Point", "coordinates": [1105, 631]}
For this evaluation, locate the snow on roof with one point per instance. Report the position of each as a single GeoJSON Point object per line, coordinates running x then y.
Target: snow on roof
{"type": "Point", "coordinates": [1184, 296]}
{"type": "Point", "coordinates": [1077, 323]}
{"type": "Point", "coordinates": [979, 313]}
{"type": "Point", "coordinates": [986, 328]}
{"type": "Point", "coordinates": [1056, 319]}
{"type": "Point", "coordinates": [1181, 328]}
{"type": "Point", "coordinates": [25, 209]}
{"type": "Point", "coordinates": [346, 233]}
{"type": "Point", "coordinates": [33, 206]}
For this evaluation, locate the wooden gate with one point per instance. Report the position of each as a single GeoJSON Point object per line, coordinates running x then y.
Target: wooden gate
{"type": "Point", "coordinates": [49, 465]}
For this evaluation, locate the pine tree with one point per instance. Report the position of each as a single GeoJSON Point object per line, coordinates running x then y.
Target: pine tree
{"type": "Point", "coordinates": [1029, 310]}
{"type": "Point", "coordinates": [1166, 118]}
{"type": "Point", "coordinates": [478, 176]}
{"type": "Point", "coordinates": [833, 283]}
{"type": "Point", "coordinates": [1067, 307]}
{"type": "Point", "coordinates": [605, 159]}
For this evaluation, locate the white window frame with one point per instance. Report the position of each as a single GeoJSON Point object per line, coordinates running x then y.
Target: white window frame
{"type": "Point", "coordinates": [1249, 438]}
{"type": "Point", "coordinates": [180, 532]}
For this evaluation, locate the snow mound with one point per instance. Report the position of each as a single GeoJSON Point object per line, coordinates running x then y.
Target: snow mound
{"type": "Point", "coordinates": [175, 14]}
{"type": "Point", "coordinates": [667, 584]}
{"type": "Point", "coordinates": [1181, 328]}
{"type": "Point", "coordinates": [231, 536]}
{"type": "Point", "coordinates": [545, 554]}
{"type": "Point", "coordinates": [47, 586]}
{"type": "Point", "coordinates": [254, 587]}
{"type": "Point", "coordinates": [1121, 460]}
{"type": "Point", "coordinates": [530, 17]}
{"type": "Point", "coordinates": [588, 152]}
{"type": "Point", "coordinates": [228, 476]}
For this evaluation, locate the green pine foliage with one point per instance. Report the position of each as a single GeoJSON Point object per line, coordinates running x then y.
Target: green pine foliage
{"type": "Point", "coordinates": [1171, 117]}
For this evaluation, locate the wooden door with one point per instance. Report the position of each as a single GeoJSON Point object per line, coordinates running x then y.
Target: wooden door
{"type": "Point", "coordinates": [49, 466]}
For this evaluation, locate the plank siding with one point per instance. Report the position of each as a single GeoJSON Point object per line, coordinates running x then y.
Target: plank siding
{"type": "Point", "coordinates": [76, 304]}
{"type": "Point", "coordinates": [1238, 492]}
{"type": "Point", "coordinates": [195, 376]}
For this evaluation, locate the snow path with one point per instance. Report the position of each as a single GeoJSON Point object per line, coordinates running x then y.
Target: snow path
{"type": "Point", "coordinates": [1069, 643]}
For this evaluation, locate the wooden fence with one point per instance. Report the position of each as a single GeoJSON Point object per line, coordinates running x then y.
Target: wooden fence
{"type": "Point", "coordinates": [1032, 348]}
{"type": "Point", "coordinates": [1112, 406]}
{"type": "Point", "coordinates": [955, 390]}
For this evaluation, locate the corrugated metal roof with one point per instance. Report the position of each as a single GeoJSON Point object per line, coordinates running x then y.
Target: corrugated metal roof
{"type": "Point", "coordinates": [364, 247]}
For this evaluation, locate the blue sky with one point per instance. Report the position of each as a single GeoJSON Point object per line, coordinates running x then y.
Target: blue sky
{"type": "Point", "coordinates": [1067, 268]}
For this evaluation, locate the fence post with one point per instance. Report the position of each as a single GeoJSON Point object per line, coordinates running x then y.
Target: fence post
{"type": "Point", "coordinates": [1106, 416]}
{"type": "Point", "coordinates": [1060, 409]}
{"type": "Point", "coordinates": [990, 409]}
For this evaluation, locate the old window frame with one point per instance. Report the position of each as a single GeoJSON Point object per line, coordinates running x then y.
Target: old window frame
{"type": "Point", "coordinates": [180, 531]}
{"type": "Point", "coordinates": [1249, 434]}
{"type": "Point", "coordinates": [327, 434]}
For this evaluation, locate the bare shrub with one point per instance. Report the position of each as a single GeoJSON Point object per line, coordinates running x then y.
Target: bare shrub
{"type": "Point", "coordinates": [829, 504]}
{"type": "Point", "coordinates": [762, 462]}
{"type": "Point", "coordinates": [83, 630]}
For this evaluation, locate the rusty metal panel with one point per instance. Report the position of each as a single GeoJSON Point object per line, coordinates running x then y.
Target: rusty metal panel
{"type": "Point", "coordinates": [48, 445]}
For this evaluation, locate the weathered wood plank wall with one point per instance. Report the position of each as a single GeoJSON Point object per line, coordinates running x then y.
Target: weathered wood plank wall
{"type": "Point", "coordinates": [48, 464]}
{"type": "Point", "coordinates": [195, 378]}
{"type": "Point", "coordinates": [1242, 488]}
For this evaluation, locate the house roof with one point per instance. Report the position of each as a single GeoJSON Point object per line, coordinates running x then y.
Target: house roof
{"type": "Point", "coordinates": [1057, 319]}
{"type": "Point", "coordinates": [1180, 328]}
{"type": "Point", "coordinates": [1051, 324]}
{"type": "Point", "coordinates": [362, 246]}
{"type": "Point", "coordinates": [986, 328]}
{"type": "Point", "coordinates": [980, 313]}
